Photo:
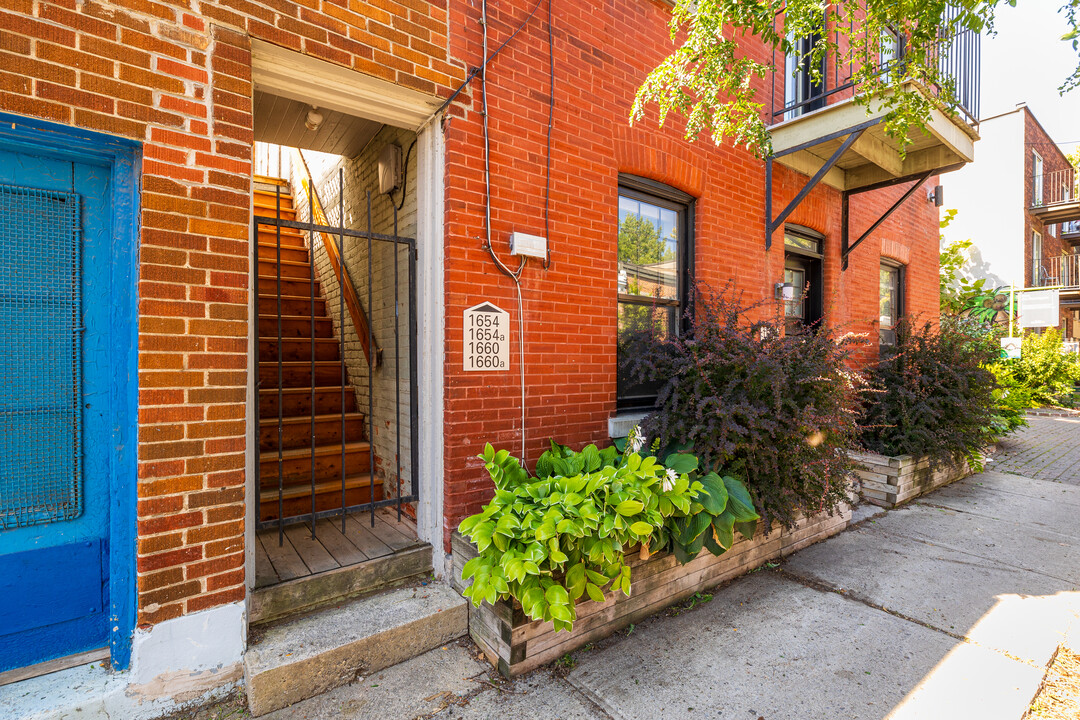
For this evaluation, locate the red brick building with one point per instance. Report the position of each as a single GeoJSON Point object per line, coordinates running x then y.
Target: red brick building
{"type": "Point", "coordinates": [232, 339]}
{"type": "Point", "coordinates": [1019, 206]}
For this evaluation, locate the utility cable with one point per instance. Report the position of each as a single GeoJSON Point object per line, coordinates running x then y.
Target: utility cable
{"type": "Point", "coordinates": [513, 275]}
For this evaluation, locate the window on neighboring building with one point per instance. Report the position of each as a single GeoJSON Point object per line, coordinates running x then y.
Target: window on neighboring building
{"type": "Point", "coordinates": [804, 90]}
{"type": "Point", "coordinates": [655, 263]}
{"type": "Point", "coordinates": [890, 301]}
{"type": "Point", "coordinates": [1037, 178]}
{"type": "Point", "coordinates": [892, 49]}
{"type": "Point", "coordinates": [802, 271]}
{"type": "Point", "coordinates": [1036, 259]}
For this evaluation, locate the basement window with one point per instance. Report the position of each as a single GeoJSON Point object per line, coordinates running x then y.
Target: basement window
{"type": "Point", "coordinates": [654, 267]}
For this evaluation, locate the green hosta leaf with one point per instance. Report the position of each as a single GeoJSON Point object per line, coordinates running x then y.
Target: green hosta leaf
{"type": "Point", "coordinates": [562, 613]}
{"type": "Point", "coordinates": [618, 443]}
{"type": "Point", "coordinates": [633, 462]}
{"type": "Point", "coordinates": [543, 466]}
{"type": "Point", "coordinates": [595, 593]}
{"type": "Point", "coordinates": [641, 528]}
{"type": "Point", "coordinates": [557, 595]}
{"type": "Point", "coordinates": [469, 569]}
{"type": "Point", "coordinates": [739, 501]}
{"type": "Point", "coordinates": [712, 546]}
{"type": "Point", "coordinates": [629, 507]}
{"type": "Point", "coordinates": [715, 496]}
{"type": "Point", "coordinates": [592, 458]}
{"type": "Point", "coordinates": [575, 580]}
{"type": "Point", "coordinates": [468, 524]}
{"type": "Point", "coordinates": [482, 535]}
{"type": "Point", "coordinates": [598, 578]}
{"type": "Point", "coordinates": [500, 541]}
{"type": "Point", "coordinates": [681, 463]}
{"type": "Point", "coordinates": [747, 529]}
{"type": "Point", "coordinates": [722, 525]}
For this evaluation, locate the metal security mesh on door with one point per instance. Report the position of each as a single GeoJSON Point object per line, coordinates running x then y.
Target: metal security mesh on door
{"type": "Point", "coordinates": [40, 344]}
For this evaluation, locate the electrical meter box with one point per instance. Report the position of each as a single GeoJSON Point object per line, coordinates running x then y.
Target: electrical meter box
{"type": "Point", "coordinates": [528, 245]}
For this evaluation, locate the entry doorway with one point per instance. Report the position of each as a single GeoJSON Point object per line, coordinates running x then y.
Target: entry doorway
{"type": "Point", "coordinates": [335, 215]}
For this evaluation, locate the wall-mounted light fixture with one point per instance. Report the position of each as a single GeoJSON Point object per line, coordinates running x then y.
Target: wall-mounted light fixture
{"type": "Point", "coordinates": [936, 196]}
{"type": "Point", "coordinates": [314, 119]}
{"type": "Point", "coordinates": [784, 291]}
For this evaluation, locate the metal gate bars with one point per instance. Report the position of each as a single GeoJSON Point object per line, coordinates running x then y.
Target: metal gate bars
{"type": "Point", "coordinates": [302, 380]}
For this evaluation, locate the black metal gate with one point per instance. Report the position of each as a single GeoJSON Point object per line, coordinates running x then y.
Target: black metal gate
{"type": "Point", "coordinates": [335, 238]}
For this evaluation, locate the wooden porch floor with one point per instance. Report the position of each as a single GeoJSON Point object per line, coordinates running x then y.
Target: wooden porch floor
{"type": "Point", "coordinates": [300, 556]}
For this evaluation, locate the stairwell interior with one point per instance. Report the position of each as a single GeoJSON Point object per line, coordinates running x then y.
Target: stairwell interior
{"type": "Point", "coordinates": [331, 409]}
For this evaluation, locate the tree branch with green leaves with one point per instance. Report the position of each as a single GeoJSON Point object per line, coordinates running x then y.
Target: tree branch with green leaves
{"type": "Point", "coordinates": [712, 80]}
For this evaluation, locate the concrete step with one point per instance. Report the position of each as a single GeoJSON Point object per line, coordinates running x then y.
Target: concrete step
{"type": "Point", "coordinates": [302, 658]}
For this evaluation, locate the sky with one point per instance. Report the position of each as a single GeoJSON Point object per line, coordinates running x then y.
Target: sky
{"type": "Point", "coordinates": [1026, 62]}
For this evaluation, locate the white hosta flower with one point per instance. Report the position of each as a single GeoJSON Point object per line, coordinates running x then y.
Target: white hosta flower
{"type": "Point", "coordinates": [636, 441]}
{"type": "Point", "coordinates": [669, 481]}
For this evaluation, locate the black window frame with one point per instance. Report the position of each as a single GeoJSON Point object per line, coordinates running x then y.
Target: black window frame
{"type": "Point", "coordinates": [901, 301]}
{"type": "Point", "coordinates": [643, 397]}
{"type": "Point", "coordinates": [813, 263]}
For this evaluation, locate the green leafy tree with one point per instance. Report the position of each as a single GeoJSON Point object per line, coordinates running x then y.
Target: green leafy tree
{"type": "Point", "coordinates": [711, 81]}
{"type": "Point", "coordinates": [640, 242]}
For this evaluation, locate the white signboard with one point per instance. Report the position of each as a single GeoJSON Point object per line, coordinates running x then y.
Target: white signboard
{"type": "Point", "coordinates": [1010, 347]}
{"type": "Point", "coordinates": [487, 338]}
{"type": "Point", "coordinates": [1039, 308]}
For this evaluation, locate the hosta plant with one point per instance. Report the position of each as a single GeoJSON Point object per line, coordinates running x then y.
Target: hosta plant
{"type": "Point", "coordinates": [546, 541]}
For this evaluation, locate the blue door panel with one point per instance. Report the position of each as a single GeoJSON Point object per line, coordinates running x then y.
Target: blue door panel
{"type": "Point", "coordinates": [28, 586]}
{"type": "Point", "coordinates": [54, 576]}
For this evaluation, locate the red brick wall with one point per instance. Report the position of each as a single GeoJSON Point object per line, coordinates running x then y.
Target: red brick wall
{"type": "Point", "coordinates": [1054, 160]}
{"type": "Point", "coordinates": [177, 76]}
{"type": "Point", "coordinates": [603, 51]}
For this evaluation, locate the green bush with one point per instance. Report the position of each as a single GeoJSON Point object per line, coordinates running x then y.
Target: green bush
{"type": "Point", "coordinates": [548, 540]}
{"type": "Point", "coordinates": [1043, 369]}
{"type": "Point", "coordinates": [1012, 398]}
{"type": "Point", "coordinates": [754, 402]}
{"type": "Point", "coordinates": [932, 395]}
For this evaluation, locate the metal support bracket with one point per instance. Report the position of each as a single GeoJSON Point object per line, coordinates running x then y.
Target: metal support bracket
{"type": "Point", "coordinates": [845, 248]}
{"type": "Point", "coordinates": [770, 224]}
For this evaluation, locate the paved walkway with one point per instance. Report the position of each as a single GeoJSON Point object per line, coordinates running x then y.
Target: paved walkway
{"type": "Point", "coordinates": [1048, 449]}
{"type": "Point", "coordinates": [948, 608]}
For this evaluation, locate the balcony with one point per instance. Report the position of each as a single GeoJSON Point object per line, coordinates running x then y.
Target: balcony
{"type": "Point", "coordinates": [1054, 198]}
{"type": "Point", "coordinates": [1062, 271]}
{"type": "Point", "coordinates": [1070, 232]}
{"type": "Point", "coordinates": [818, 129]}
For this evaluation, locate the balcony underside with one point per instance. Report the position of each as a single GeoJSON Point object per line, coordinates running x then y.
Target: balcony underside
{"type": "Point", "coordinates": [1067, 211]}
{"type": "Point", "coordinates": [844, 145]}
{"type": "Point", "coordinates": [807, 143]}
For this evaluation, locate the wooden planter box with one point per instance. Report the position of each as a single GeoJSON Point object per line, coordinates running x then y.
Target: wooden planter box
{"type": "Point", "coordinates": [889, 481]}
{"type": "Point", "coordinates": [515, 645]}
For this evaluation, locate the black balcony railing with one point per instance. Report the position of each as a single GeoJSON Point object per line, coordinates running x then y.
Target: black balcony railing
{"type": "Point", "coordinates": [1053, 188]}
{"type": "Point", "coordinates": [958, 60]}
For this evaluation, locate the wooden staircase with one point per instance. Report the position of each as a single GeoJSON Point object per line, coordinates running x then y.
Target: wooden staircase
{"type": "Point", "coordinates": [307, 393]}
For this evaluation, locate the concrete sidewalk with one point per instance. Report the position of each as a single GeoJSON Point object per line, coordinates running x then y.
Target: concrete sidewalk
{"type": "Point", "coordinates": [948, 608]}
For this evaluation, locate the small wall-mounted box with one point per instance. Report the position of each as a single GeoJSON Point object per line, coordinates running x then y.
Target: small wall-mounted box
{"type": "Point", "coordinates": [528, 245]}
{"type": "Point", "coordinates": [389, 169]}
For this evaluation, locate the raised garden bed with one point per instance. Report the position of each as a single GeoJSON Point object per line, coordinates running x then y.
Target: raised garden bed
{"type": "Point", "coordinates": [889, 481]}
{"type": "Point", "coordinates": [515, 644]}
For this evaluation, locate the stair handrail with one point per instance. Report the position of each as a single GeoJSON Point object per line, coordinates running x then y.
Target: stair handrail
{"type": "Point", "coordinates": [337, 265]}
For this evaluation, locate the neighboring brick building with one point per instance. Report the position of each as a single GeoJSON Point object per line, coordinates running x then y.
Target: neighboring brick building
{"type": "Point", "coordinates": [1020, 208]}
{"type": "Point", "coordinates": [168, 101]}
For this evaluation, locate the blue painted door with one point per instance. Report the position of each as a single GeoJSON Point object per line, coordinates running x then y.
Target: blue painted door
{"type": "Point", "coordinates": [55, 454]}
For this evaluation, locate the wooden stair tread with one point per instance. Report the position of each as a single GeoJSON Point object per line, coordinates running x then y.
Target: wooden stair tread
{"type": "Point", "coordinates": [273, 246]}
{"type": "Point", "coordinates": [295, 263]}
{"type": "Point", "coordinates": [306, 419]}
{"type": "Point", "coordinates": [304, 390]}
{"type": "Point", "coordinates": [299, 453]}
{"type": "Point", "coordinates": [291, 492]}
{"type": "Point", "coordinates": [271, 318]}
{"type": "Point", "coordinates": [305, 298]}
